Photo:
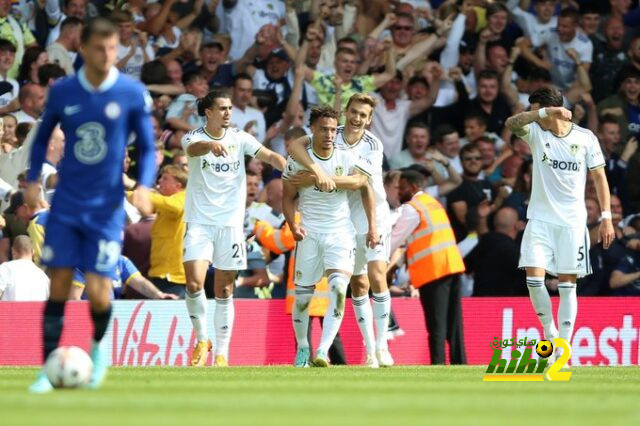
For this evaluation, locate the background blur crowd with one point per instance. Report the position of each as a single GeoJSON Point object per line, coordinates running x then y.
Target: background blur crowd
{"type": "Point", "coordinates": [446, 75]}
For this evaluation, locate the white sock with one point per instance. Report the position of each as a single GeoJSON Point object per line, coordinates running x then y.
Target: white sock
{"type": "Point", "coordinates": [300, 314]}
{"type": "Point", "coordinates": [567, 310]}
{"type": "Point", "coordinates": [364, 316]}
{"type": "Point", "coordinates": [381, 312]}
{"type": "Point", "coordinates": [223, 323]}
{"type": "Point", "coordinates": [542, 305]}
{"type": "Point", "coordinates": [338, 283]}
{"type": "Point", "coordinates": [197, 308]}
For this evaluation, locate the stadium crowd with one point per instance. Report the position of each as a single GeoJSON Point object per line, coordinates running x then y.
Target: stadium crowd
{"type": "Point", "coordinates": [445, 74]}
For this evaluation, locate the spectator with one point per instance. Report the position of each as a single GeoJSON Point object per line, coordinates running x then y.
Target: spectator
{"type": "Point", "coordinates": [535, 26]}
{"type": "Point", "coordinates": [392, 112]}
{"type": "Point", "coordinates": [490, 103]}
{"type": "Point", "coordinates": [447, 142]}
{"type": "Point", "coordinates": [625, 104]}
{"type": "Point", "coordinates": [63, 51]}
{"type": "Point", "coordinates": [519, 198]}
{"type": "Point", "coordinates": [616, 166]}
{"type": "Point", "coordinates": [56, 17]}
{"type": "Point", "coordinates": [49, 74]}
{"type": "Point", "coordinates": [181, 114]}
{"type": "Point", "coordinates": [133, 48]}
{"type": "Point", "coordinates": [34, 57]}
{"type": "Point", "coordinates": [31, 99]}
{"type": "Point", "coordinates": [472, 191]}
{"type": "Point", "coordinates": [625, 278]}
{"type": "Point", "coordinates": [494, 261]}
{"type": "Point", "coordinates": [20, 279]}
{"type": "Point", "coordinates": [475, 127]}
{"type": "Point", "coordinates": [559, 42]}
{"type": "Point", "coordinates": [49, 175]}
{"type": "Point", "coordinates": [15, 219]}
{"type": "Point", "coordinates": [174, 72]}
{"type": "Point", "coordinates": [9, 97]}
{"type": "Point", "coordinates": [127, 275]}
{"type": "Point", "coordinates": [9, 124]}
{"type": "Point", "coordinates": [16, 33]}
{"type": "Point", "coordinates": [244, 116]}
{"type": "Point", "coordinates": [417, 143]}
{"type": "Point", "coordinates": [608, 59]}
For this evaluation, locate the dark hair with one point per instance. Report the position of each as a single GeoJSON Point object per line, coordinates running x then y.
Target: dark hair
{"type": "Point", "coordinates": [347, 40]}
{"type": "Point", "coordinates": [322, 111]}
{"type": "Point", "coordinates": [417, 125]}
{"type": "Point", "coordinates": [208, 101]}
{"type": "Point", "coordinates": [478, 117]}
{"type": "Point", "coordinates": [488, 75]}
{"type": "Point", "coordinates": [249, 172]}
{"type": "Point", "coordinates": [101, 27]}
{"type": "Point", "coordinates": [413, 177]}
{"type": "Point", "coordinates": [294, 133]}
{"type": "Point", "coordinates": [346, 50]}
{"type": "Point", "coordinates": [417, 79]}
{"type": "Point", "coordinates": [6, 45]}
{"type": "Point", "coordinates": [405, 16]}
{"type": "Point", "coordinates": [241, 76]}
{"type": "Point", "coordinates": [607, 119]}
{"type": "Point", "coordinates": [189, 76]}
{"type": "Point", "coordinates": [496, 7]}
{"type": "Point", "coordinates": [468, 148]}
{"type": "Point", "coordinates": [539, 74]}
{"type": "Point", "coordinates": [570, 12]}
{"type": "Point", "coordinates": [443, 130]}
{"type": "Point", "coordinates": [154, 72]}
{"type": "Point", "coordinates": [50, 71]}
{"type": "Point", "coordinates": [547, 97]}
{"type": "Point", "coordinates": [71, 21]}
{"type": "Point", "coordinates": [30, 56]}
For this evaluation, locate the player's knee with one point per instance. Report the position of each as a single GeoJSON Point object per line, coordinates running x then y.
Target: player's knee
{"type": "Point", "coordinates": [194, 286]}
{"type": "Point", "coordinates": [224, 292]}
{"type": "Point", "coordinates": [338, 282]}
{"type": "Point", "coordinates": [99, 303]}
{"type": "Point", "coordinates": [359, 286]}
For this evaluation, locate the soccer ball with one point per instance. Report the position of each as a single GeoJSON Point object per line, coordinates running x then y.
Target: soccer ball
{"type": "Point", "coordinates": [544, 348]}
{"type": "Point", "coordinates": [68, 367]}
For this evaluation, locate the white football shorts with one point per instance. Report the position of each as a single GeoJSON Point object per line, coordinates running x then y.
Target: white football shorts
{"type": "Point", "coordinates": [365, 254]}
{"type": "Point", "coordinates": [558, 249]}
{"type": "Point", "coordinates": [223, 246]}
{"type": "Point", "coordinates": [317, 253]}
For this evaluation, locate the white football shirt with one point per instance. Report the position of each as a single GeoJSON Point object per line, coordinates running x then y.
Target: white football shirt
{"type": "Point", "coordinates": [368, 150]}
{"type": "Point", "coordinates": [326, 212]}
{"type": "Point", "coordinates": [560, 173]}
{"type": "Point", "coordinates": [563, 69]}
{"type": "Point", "coordinates": [217, 187]}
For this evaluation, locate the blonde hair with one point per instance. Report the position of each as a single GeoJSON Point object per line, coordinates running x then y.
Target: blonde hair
{"type": "Point", "coordinates": [363, 98]}
{"type": "Point", "coordinates": [177, 172]}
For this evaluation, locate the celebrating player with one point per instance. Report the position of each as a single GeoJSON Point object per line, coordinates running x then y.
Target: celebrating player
{"type": "Point", "coordinates": [214, 213]}
{"type": "Point", "coordinates": [326, 237]}
{"type": "Point", "coordinates": [97, 109]}
{"type": "Point", "coordinates": [556, 239]}
{"type": "Point", "coordinates": [370, 263]}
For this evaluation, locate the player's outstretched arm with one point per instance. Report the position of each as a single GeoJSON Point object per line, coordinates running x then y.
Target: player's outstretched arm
{"type": "Point", "coordinates": [289, 209]}
{"type": "Point", "coordinates": [197, 149]}
{"type": "Point", "coordinates": [276, 160]}
{"type": "Point", "coordinates": [298, 150]}
{"type": "Point", "coordinates": [606, 231]}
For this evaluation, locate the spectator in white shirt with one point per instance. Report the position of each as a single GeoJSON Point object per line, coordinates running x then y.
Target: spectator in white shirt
{"type": "Point", "coordinates": [182, 112]}
{"type": "Point", "coordinates": [20, 279]}
{"type": "Point", "coordinates": [245, 117]}
{"type": "Point", "coordinates": [31, 99]}
{"type": "Point", "coordinates": [64, 50]}
{"type": "Point", "coordinates": [75, 8]}
{"type": "Point", "coordinates": [534, 26]}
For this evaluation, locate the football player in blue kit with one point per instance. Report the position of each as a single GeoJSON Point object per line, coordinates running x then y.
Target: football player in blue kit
{"type": "Point", "coordinates": [97, 109]}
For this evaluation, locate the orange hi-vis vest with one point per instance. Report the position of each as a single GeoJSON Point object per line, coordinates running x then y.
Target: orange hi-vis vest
{"type": "Point", "coordinates": [432, 251]}
{"type": "Point", "coordinates": [280, 241]}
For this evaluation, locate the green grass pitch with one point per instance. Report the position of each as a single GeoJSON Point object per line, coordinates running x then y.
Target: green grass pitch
{"type": "Point", "coordinates": [328, 397]}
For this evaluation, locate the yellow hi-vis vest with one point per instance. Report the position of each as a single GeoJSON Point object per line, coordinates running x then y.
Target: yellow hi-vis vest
{"type": "Point", "coordinates": [432, 251]}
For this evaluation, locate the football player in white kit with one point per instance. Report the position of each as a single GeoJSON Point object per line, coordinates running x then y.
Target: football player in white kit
{"type": "Point", "coordinates": [371, 263]}
{"type": "Point", "coordinates": [326, 237]}
{"type": "Point", "coordinates": [214, 214]}
{"type": "Point", "coordinates": [556, 239]}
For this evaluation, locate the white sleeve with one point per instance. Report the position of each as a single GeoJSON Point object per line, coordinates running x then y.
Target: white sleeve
{"type": "Point", "coordinates": [532, 129]}
{"type": "Point", "coordinates": [187, 140]}
{"type": "Point", "coordinates": [595, 159]}
{"type": "Point", "coordinates": [291, 168]}
{"type": "Point", "coordinates": [52, 9]}
{"type": "Point", "coordinates": [250, 145]}
{"type": "Point", "coordinates": [175, 108]}
{"type": "Point", "coordinates": [4, 279]}
{"type": "Point", "coordinates": [407, 222]}
{"type": "Point", "coordinates": [586, 54]}
{"type": "Point", "coordinates": [451, 53]}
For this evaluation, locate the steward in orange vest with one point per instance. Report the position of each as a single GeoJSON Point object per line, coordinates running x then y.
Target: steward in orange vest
{"type": "Point", "coordinates": [434, 264]}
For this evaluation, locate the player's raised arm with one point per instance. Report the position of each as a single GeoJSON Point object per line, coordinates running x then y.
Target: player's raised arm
{"type": "Point", "coordinates": [273, 158]}
{"type": "Point", "coordinates": [519, 123]}
{"type": "Point", "coordinates": [298, 150]}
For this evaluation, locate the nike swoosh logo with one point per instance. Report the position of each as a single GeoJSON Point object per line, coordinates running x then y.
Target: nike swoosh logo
{"type": "Point", "coordinates": [71, 109]}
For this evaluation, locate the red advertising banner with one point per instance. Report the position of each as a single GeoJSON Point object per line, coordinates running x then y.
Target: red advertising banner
{"type": "Point", "coordinates": [160, 333]}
